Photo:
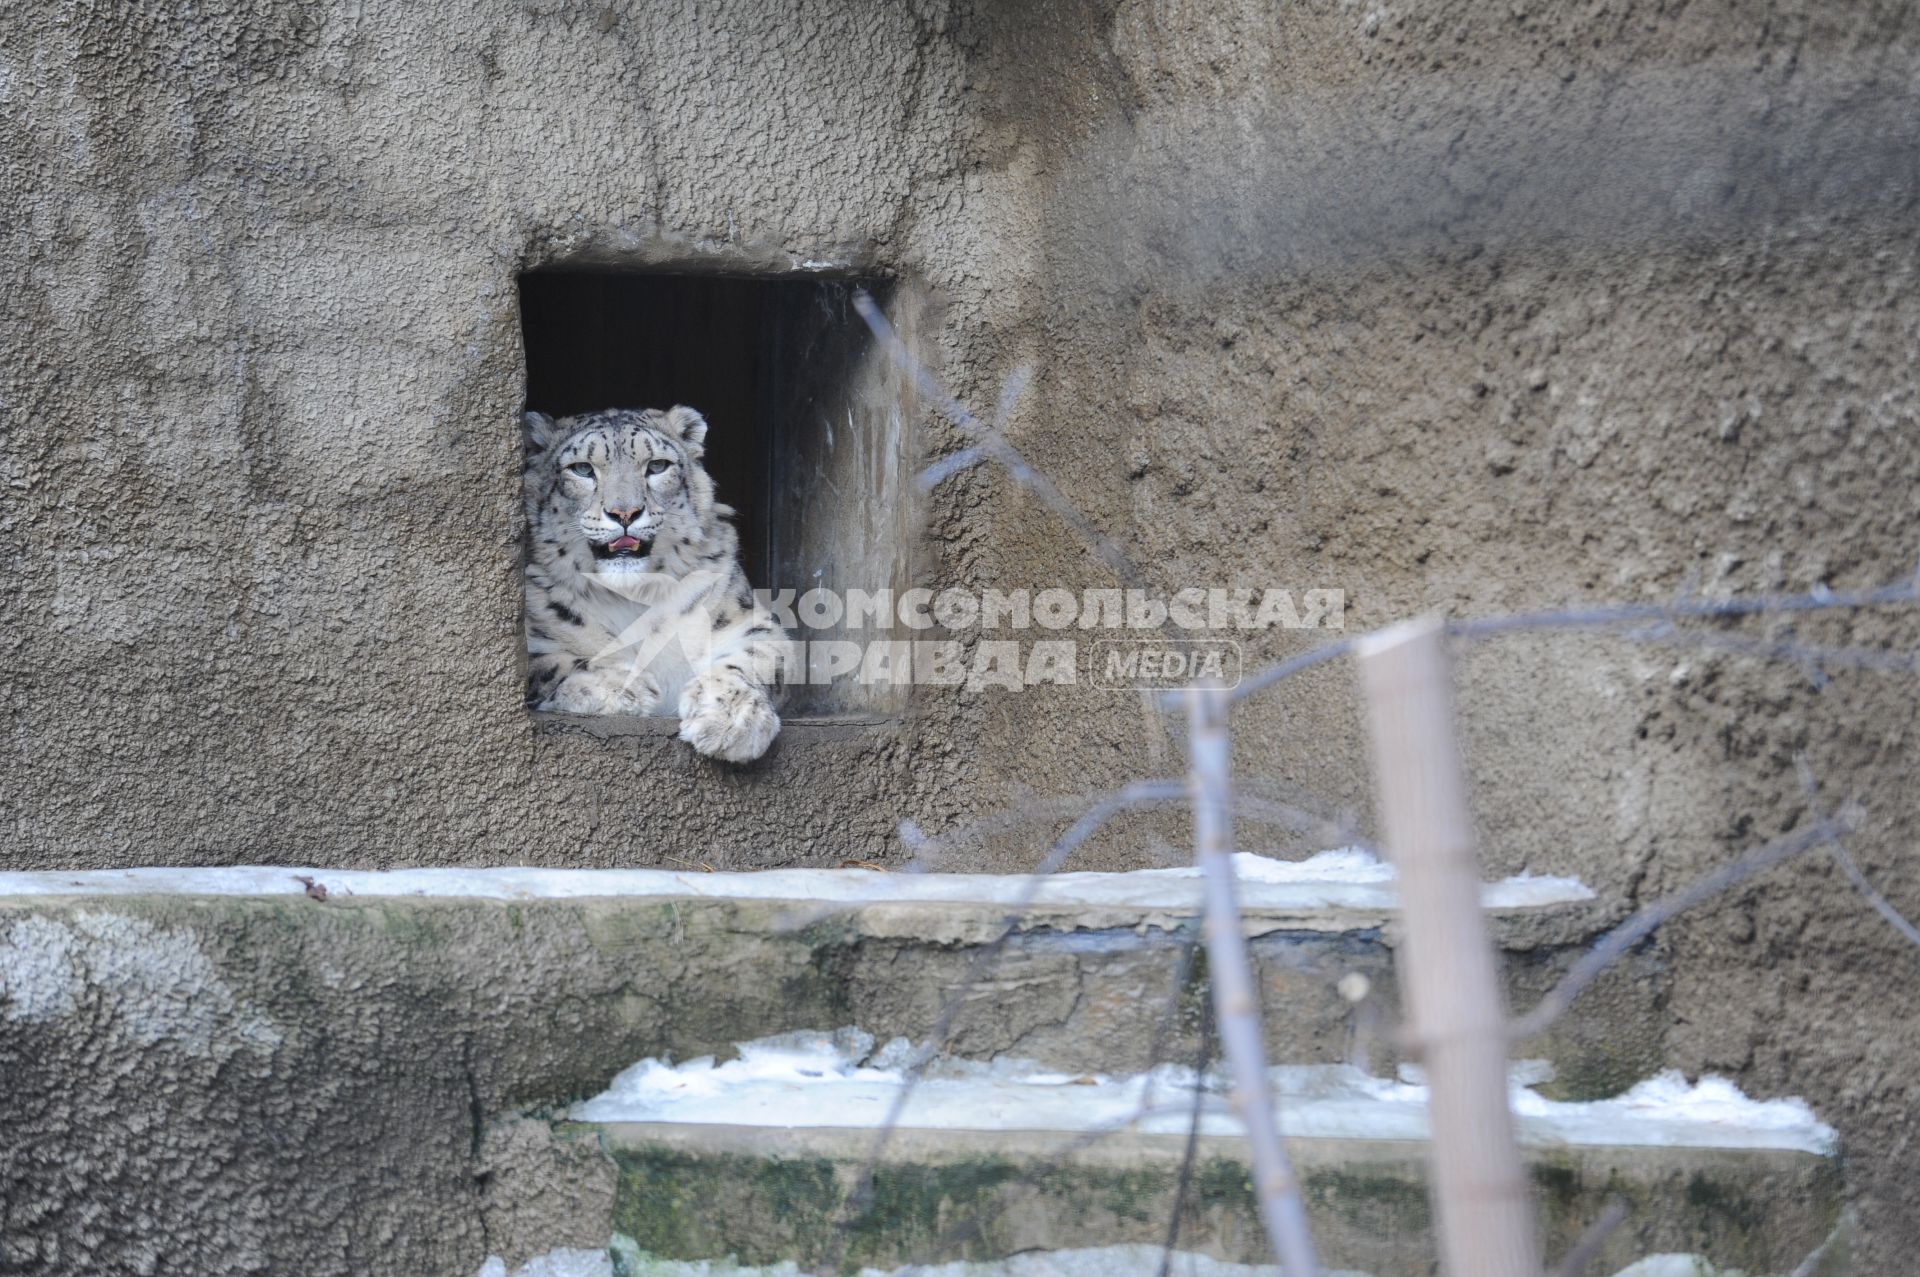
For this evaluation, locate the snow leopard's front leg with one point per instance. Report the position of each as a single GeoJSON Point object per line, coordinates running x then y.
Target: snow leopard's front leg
{"type": "Point", "coordinates": [726, 708]}
{"type": "Point", "coordinates": [570, 685]}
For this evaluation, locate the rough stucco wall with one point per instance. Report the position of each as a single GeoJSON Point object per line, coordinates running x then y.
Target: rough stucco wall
{"type": "Point", "coordinates": [1473, 414]}
{"type": "Point", "coordinates": [261, 372]}
{"type": "Point", "coordinates": [261, 271]}
{"type": "Point", "coordinates": [199, 1085]}
{"type": "Point", "coordinates": [1438, 403]}
{"type": "Point", "coordinates": [275, 1084]}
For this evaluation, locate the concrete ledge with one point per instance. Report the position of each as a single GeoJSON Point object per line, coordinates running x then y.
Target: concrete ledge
{"type": "Point", "coordinates": [657, 963]}
{"type": "Point", "coordinates": [759, 1195]}
{"type": "Point", "coordinates": [272, 1075]}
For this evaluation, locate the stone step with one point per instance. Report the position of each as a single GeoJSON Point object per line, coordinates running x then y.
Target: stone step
{"type": "Point", "coordinates": [756, 1159]}
{"type": "Point", "coordinates": [760, 1195]}
{"type": "Point", "coordinates": [396, 1029]}
{"type": "Point", "coordinates": [563, 977]}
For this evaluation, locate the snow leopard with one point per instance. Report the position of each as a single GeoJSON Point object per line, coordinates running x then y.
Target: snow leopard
{"type": "Point", "coordinates": [636, 600]}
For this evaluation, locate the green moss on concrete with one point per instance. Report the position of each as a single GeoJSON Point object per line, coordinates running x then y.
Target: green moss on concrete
{"type": "Point", "coordinates": [1386, 1197]}
{"type": "Point", "coordinates": [1219, 1179]}
{"type": "Point", "coordinates": [1556, 1185]}
{"type": "Point", "coordinates": [412, 926]}
{"type": "Point", "coordinates": [1739, 1210]}
{"type": "Point", "coordinates": [762, 1210]}
{"type": "Point", "coordinates": [826, 980]}
{"type": "Point", "coordinates": [637, 925]}
{"type": "Point", "coordinates": [927, 1210]}
{"type": "Point", "coordinates": [691, 1207]}
{"type": "Point", "coordinates": [1717, 1204]}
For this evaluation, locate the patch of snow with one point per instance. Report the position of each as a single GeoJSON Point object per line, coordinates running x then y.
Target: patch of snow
{"type": "Point", "coordinates": [1706, 1113]}
{"type": "Point", "coordinates": [1103, 1261]}
{"type": "Point", "coordinates": [1343, 878]}
{"type": "Point", "coordinates": [838, 1080]}
{"type": "Point", "coordinates": [1676, 1266]}
{"type": "Point", "coordinates": [562, 1262]}
{"type": "Point", "coordinates": [624, 1258]}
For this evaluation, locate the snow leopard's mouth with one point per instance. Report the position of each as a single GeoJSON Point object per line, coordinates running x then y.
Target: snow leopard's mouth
{"type": "Point", "coordinates": [627, 547]}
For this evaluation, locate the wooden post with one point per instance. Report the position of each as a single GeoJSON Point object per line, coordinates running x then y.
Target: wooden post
{"type": "Point", "coordinates": [1446, 963]}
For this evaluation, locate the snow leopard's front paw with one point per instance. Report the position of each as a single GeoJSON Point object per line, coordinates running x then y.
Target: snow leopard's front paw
{"type": "Point", "coordinates": [724, 716]}
{"type": "Point", "coordinates": [606, 690]}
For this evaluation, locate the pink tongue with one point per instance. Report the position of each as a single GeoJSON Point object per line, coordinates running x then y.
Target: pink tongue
{"type": "Point", "coordinates": [624, 543]}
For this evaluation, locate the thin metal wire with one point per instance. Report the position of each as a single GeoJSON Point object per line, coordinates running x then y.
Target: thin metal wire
{"type": "Point", "coordinates": [1650, 623]}
{"type": "Point", "coordinates": [1236, 1002]}
{"type": "Point", "coordinates": [1663, 630]}
{"type": "Point", "coordinates": [1643, 923]}
{"type": "Point", "coordinates": [1587, 1249]}
{"type": "Point", "coordinates": [1156, 1049]}
{"type": "Point", "coordinates": [992, 441]}
{"type": "Point", "coordinates": [1184, 1185]}
{"type": "Point", "coordinates": [1838, 850]}
{"type": "Point", "coordinates": [859, 1201]}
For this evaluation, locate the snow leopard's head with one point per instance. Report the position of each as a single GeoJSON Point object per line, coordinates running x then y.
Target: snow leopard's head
{"type": "Point", "coordinates": [619, 491]}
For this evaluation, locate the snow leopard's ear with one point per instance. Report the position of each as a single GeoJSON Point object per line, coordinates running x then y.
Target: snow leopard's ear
{"type": "Point", "coordinates": [542, 432]}
{"type": "Point", "coordinates": [688, 426]}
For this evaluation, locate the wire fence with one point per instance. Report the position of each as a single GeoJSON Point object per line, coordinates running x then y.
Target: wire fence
{"type": "Point", "coordinates": [1214, 797]}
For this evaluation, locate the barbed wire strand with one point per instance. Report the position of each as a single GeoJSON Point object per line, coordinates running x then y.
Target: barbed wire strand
{"type": "Point", "coordinates": [1587, 1248]}
{"type": "Point", "coordinates": [970, 1227]}
{"type": "Point", "coordinates": [1186, 946]}
{"type": "Point", "coordinates": [1643, 923]}
{"type": "Point", "coordinates": [995, 445]}
{"type": "Point", "coordinates": [1292, 665]}
{"type": "Point", "coordinates": [1136, 795]}
{"type": "Point", "coordinates": [1183, 1186]}
{"type": "Point", "coordinates": [859, 1200]}
{"type": "Point", "coordinates": [992, 442]}
{"type": "Point", "coordinates": [1818, 599]}
{"type": "Point", "coordinates": [928, 849]}
{"type": "Point", "coordinates": [1277, 1190]}
{"type": "Point", "coordinates": [1813, 660]}
{"type": "Point", "coordinates": [1837, 849]}
{"type": "Point", "coordinates": [1815, 1262]}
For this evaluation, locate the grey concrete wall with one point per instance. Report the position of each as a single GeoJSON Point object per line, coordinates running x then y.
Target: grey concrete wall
{"type": "Point", "coordinates": [268, 1084]}
{"type": "Point", "coordinates": [1460, 306]}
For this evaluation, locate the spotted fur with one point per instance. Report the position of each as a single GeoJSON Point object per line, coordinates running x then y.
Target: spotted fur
{"type": "Point", "coordinates": [635, 596]}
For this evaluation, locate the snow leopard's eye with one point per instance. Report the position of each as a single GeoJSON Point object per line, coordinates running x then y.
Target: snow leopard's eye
{"type": "Point", "coordinates": [658, 466]}
{"type": "Point", "coordinates": [583, 469]}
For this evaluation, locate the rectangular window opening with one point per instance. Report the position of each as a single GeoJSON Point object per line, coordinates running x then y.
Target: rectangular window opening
{"type": "Point", "coordinates": [806, 418]}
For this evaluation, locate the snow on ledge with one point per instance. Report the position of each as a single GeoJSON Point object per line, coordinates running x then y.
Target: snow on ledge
{"type": "Point", "coordinates": [563, 1261]}
{"type": "Point", "coordinates": [1344, 878]}
{"type": "Point", "coordinates": [839, 1080]}
{"type": "Point", "coordinates": [1104, 1261]}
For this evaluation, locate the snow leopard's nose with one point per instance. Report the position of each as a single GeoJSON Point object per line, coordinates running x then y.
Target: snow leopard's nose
{"type": "Point", "coordinates": [625, 516]}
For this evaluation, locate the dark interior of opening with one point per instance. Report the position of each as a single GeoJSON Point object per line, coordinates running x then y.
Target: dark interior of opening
{"type": "Point", "coordinates": [621, 340]}
{"type": "Point", "coordinates": [804, 434]}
